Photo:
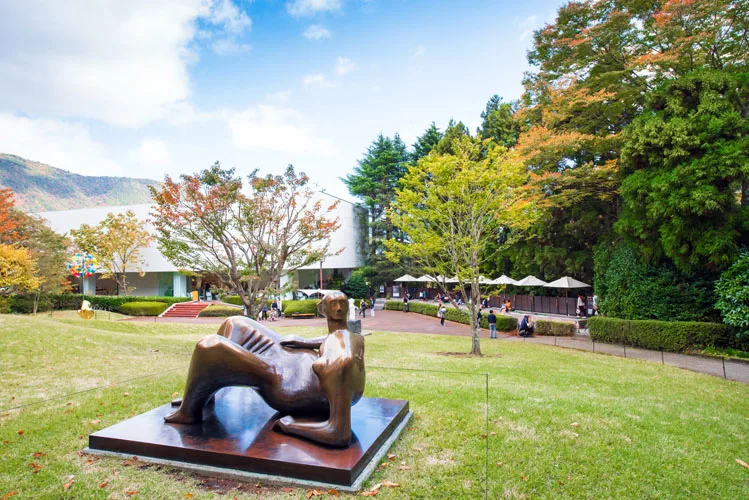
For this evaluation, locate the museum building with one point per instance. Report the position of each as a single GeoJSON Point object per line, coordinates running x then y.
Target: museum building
{"type": "Point", "coordinates": [159, 277]}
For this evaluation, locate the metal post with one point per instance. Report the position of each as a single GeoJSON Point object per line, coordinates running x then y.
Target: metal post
{"type": "Point", "coordinates": [662, 361]}
{"type": "Point", "coordinates": [724, 367]}
{"type": "Point", "coordinates": [625, 349]}
{"type": "Point", "coordinates": [594, 345]}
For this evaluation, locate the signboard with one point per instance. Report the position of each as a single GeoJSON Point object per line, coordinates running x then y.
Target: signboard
{"type": "Point", "coordinates": [396, 291]}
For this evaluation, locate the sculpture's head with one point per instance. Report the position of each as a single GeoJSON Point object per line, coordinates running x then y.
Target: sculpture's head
{"type": "Point", "coordinates": [334, 306]}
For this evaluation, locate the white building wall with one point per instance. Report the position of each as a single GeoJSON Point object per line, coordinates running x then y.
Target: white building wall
{"type": "Point", "coordinates": [349, 238]}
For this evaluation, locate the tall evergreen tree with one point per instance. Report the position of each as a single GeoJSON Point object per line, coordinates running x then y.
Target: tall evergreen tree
{"type": "Point", "coordinates": [686, 167]}
{"type": "Point", "coordinates": [499, 123]}
{"type": "Point", "coordinates": [426, 143]}
{"type": "Point", "coordinates": [374, 181]}
{"type": "Point", "coordinates": [453, 134]}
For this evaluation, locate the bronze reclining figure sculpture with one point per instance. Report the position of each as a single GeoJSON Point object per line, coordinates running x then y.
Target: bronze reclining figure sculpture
{"type": "Point", "coordinates": [321, 377]}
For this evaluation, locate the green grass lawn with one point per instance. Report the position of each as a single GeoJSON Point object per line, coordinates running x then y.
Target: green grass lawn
{"type": "Point", "coordinates": [562, 423]}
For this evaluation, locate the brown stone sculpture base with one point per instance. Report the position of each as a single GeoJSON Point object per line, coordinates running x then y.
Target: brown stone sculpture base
{"type": "Point", "coordinates": [236, 435]}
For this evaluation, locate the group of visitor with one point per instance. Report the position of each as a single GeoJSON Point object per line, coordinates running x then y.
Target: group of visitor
{"type": "Point", "coordinates": [275, 312]}
{"type": "Point", "coordinates": [369, 304]}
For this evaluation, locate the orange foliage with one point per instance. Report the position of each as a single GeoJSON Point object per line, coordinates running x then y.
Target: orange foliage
{"type": "Point", "coordinates": [8, 221]}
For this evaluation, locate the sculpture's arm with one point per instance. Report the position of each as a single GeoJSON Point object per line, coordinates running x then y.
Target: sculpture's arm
{"type": "Point", "coordinates": [295, 341]}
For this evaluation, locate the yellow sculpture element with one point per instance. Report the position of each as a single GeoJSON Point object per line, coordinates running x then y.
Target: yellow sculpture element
{"type": "Point", "coordinates": [85, 311]}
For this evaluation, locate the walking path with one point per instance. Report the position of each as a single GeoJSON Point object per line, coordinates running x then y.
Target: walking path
{"type": "Point", "coordinates": [396, 321]}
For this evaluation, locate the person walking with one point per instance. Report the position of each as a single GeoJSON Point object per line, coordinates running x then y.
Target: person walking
{"type": "Point", "coordinates": [405, 304]}
{"type": "Point", "coordinates": [441, 314]}
{"type": "Point", "coordinates": [581, 305]}
{"type": "Point", "coordinates": [478, 320]}
{"type": "Point", "coordinates": [491, 318]}
{"type": "Point", "coordinates": [363, 308]}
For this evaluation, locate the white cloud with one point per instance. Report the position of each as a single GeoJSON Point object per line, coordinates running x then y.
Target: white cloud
{"type": "Point", "coordinates": [227, 47]}
{"type": "Point", "coordinates": [316, 32]}
{"type": "Point", "coordinates": [62, 144]}
{"type": "Point", "coordinates": [280, 98]}
{"type": "Point", "coordinates": [278, 129]}
{"type": "Point", "coordinates": [310, 7]}
{"type": "Point", "coordinates": [120, 62]}
{"type": "Point", "coordinates": [317, 80]}
{"type": "Point", "coordinates": [225, 13]}
{"type": "Point", "coordinates": [152, 153]}
{"type": "Point", "coordinates": [527, 27]}
{"type": "Point", "coordinates": [345, 65]}
{"type": "Point", "coordinates": [419, 51]}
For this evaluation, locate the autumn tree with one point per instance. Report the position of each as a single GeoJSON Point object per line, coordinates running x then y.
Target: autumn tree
{"type": "Point", "coordinates": [11, 219]}
{"type": "Point", "coordinates": [206, 223]}
{"type": "Point", "coordinates": [593, 70]}
{"type": "Point", "coordinates": [374, 181]}
{"type": "Point", "coordinates": [51, 252]}
{"type": "Point", "coordinates": [18, 270]}
{"type": "Point", "coordinates": [450, 207]}
{"type": "Point", "coordinates": [117, 242]}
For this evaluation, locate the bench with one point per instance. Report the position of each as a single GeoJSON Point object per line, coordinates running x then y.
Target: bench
{"type": "Point", "coordinates": [303, 315]}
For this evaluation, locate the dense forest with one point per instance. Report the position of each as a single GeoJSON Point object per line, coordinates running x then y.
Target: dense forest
{"type": "Point", "coordinates": [633, 133]}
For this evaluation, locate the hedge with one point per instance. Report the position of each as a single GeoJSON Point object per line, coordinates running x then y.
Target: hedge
{"type": "Point", "coordinates": [504, 323]}
{"type": "Point", "coordinates": [217, 311]}
{"type": "Point", "coordinates": [671, 336]}
{"type": "Point", "coordinates": [300, 307]}
{"type": "Point", "coordinates": [143, 308]}
{"type": "Point", "coordinates": [557, 328]}
{"type": "Point", "coordinates": [24, 304]}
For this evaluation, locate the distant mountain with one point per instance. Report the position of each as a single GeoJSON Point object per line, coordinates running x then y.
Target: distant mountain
{"type": "Point", "coordinates": [39, 187]}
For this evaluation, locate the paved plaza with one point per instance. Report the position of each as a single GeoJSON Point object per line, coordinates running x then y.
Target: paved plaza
{"type": "Point", "coordinates": [413, 323]}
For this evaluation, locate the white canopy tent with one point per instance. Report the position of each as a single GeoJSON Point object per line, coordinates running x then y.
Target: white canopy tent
{"type": "Point", "coordinates": [318, 293]}
{"type": "Point", "coordinates": [503, 280]}
{"type": "Point", "coordinates": [566, 282]}
{"type": "Point", "coordinates": [530, 281]}
{"type": "Point", "coordinates": [425, 279]}
{"type": "Point", "coordinates": [407, 278]}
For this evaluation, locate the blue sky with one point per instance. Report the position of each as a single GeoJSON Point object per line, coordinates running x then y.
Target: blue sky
{"type": "Point", "coordinates": [144, 88]}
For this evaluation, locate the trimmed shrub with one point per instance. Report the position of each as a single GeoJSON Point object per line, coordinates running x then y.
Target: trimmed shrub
{"type": "Point", "coordinates": [733, 299]}
{"type": "Point", "coordinates": [24, 304]}
{"type": "Point", "coordinates": [5, 304]}
{"type": "Point", "coordinates": [217, 311]}
{"type": "Point", "coordinates": [630, 288]}
{"type": "Point", "coordinates": [671, 336]}
{"type": "Point", "coordinates": [504, 323]}
{"type": "Point", "coordinates": [143, 308]}
{"type": "Point", "coordinates": [557, 328]}
{"type": "Point", "coordinates": [300, 307]}
{"type": "Point", "coordinates": [233, 299]}
{"type": "Point", "coordinates": [236, 301]}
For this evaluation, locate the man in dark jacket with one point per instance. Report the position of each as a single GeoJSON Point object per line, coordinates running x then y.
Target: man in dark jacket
{"type": "Point", "coordinates": [491, 318]}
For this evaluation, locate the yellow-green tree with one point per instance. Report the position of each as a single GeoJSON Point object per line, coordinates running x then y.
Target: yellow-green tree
{"type": "Point", "coordinates": [451, 207]}
{"type": "Point", "coordinates": [116, 242]}
{"type": "Point", "coordinates": [18, 270]}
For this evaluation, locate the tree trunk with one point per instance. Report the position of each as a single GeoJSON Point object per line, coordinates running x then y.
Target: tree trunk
{"type": "Point", "coordinates": [249, 304]}
{"type": "Point", "coordinates": [474, 309]}
{"type": "Point", "coordinates": [36, 301]}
